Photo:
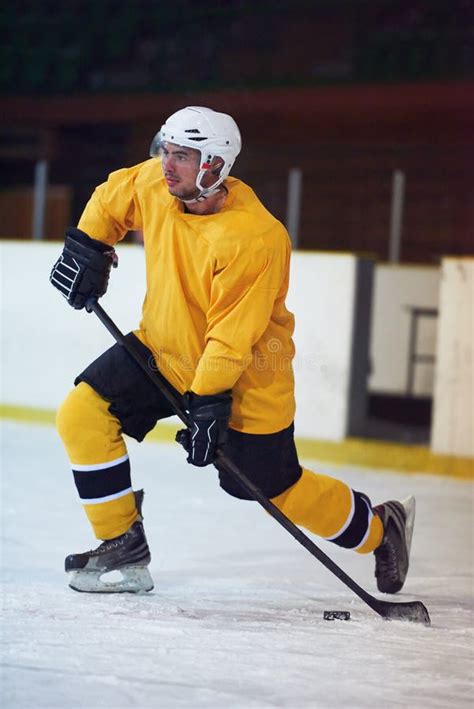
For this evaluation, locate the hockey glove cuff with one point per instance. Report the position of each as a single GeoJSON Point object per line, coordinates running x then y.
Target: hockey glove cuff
{"type": "Point", "coordinates": [209, 418]}
{"type": "Point", "coordinates": [82, 271]}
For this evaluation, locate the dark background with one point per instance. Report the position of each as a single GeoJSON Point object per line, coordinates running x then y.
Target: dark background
{"type": "Point", "coordinates": [347, 90]}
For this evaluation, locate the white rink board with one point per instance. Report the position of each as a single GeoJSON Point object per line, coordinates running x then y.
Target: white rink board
{"type": "Point", "coordinates": [321, 296]}
{"type": "Point", "coordinates": [453, 416]}
{"type": "Point", "coordinates": [45, 343]}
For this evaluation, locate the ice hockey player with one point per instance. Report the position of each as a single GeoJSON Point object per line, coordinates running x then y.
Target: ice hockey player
{"type": "Point", "coordinates": [215, 325]}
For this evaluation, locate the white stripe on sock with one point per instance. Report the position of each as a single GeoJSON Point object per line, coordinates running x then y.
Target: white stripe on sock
{"type": "Point", "coordinates": [99, 466]}
{"type": "Point", "coordinates": [107, 498]}
{"type": "Point", "coordinates": [349, 519]}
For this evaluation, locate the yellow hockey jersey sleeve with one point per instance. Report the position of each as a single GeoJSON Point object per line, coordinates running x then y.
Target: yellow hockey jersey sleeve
{"type": "Point", "coordinates": [114, 208]}
{"type": "Point", "coordinates": [242, 300]}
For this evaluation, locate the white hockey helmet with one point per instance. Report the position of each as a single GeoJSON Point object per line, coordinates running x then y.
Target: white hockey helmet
{"type": "Point", "coordinates": [215, 135]}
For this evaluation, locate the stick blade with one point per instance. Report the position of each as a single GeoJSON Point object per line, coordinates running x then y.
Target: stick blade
{"type": "Point", "coordinates": [414, 611]}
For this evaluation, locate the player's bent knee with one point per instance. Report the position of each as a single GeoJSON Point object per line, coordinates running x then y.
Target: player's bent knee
{"type": "Point", "coordinates": [90, 433]}
{"type": "Point", "coordinates": [79, 412]}
{"type": "Point", "coordinates": [66, 423]}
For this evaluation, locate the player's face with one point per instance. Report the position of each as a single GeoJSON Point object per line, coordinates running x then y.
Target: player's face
{"type": "Point", "coordinates": [180, 168]}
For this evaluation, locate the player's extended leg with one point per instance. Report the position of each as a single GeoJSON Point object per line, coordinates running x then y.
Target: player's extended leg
{"type": "Point", "coordinates": [331, 509]}
{"type": "Point", "coordinates": [99, 460]}
{"type": "Point", "coordinates": [323, 505]}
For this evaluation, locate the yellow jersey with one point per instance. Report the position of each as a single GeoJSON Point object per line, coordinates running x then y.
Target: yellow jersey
{"type": "Point", "coordinates": [214, 313]}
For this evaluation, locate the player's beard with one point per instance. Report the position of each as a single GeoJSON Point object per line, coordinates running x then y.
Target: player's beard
{"type": "Point", "coordinates": [184, 195]}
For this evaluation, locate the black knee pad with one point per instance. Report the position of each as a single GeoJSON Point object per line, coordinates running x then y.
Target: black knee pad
{"type": "Point", "coordinates": [269, 461]}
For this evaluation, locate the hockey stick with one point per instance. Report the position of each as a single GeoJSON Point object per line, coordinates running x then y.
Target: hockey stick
{"type": "Point", "coordinates": [413, 611]}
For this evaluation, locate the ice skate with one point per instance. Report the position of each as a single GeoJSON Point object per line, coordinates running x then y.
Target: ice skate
{"type": "Point", "coordinates": [392, 556]}
{"type": "Point", "coordinates": [128, 553]}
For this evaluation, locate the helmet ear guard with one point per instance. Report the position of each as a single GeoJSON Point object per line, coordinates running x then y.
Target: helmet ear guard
{"type": "Point", "coordinates": [215, 135]}
{"type": "Point", "coordinates": [209, 174]}
{"type": "Point", "coordinates": [215, 164]}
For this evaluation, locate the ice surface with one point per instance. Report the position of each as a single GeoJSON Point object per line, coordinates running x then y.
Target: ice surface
{"type": "Point", "coordinates": [235, 620]}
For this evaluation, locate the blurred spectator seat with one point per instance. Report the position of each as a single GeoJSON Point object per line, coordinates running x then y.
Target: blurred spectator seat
{"type": "Point", "coordinates": [16, 212]}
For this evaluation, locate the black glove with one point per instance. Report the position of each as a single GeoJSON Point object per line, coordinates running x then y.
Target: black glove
{"type": "Point", "coordinates": [209, 417]}
{"type": "Point", "coordinates": [82, 271]}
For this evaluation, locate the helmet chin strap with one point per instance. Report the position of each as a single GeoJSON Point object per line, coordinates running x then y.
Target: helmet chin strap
{"type": "Point", "coordinates": [201, 197]}
{"type": "Point", "coordinates": [204, 192]}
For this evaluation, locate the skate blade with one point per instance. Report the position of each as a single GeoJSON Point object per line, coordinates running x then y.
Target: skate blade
{"type": "Point", "coordinates": [409, 505]}
{"type": "Point", "coordinates": [135, 579]}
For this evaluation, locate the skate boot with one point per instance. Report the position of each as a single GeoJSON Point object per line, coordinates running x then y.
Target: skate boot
{"type": "Point", "coordinates": [392, 556]}
{"type": "Point", "coordinates": [128, 553]}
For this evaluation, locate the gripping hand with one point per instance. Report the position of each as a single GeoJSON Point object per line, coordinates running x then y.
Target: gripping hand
{"type": "Point", "coordinates": [209, 417]}
{"type": "Point", "coordinates": [82, 271]}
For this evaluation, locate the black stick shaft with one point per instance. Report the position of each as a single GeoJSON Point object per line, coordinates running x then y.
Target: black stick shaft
{"type": "Point", "coordinates": [376, 605]}
{"type": "Point", "coordinates": [120, 338]}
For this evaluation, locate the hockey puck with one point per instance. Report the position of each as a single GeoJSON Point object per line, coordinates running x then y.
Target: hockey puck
{"type": "Point", "coordinates": [336, 615]}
